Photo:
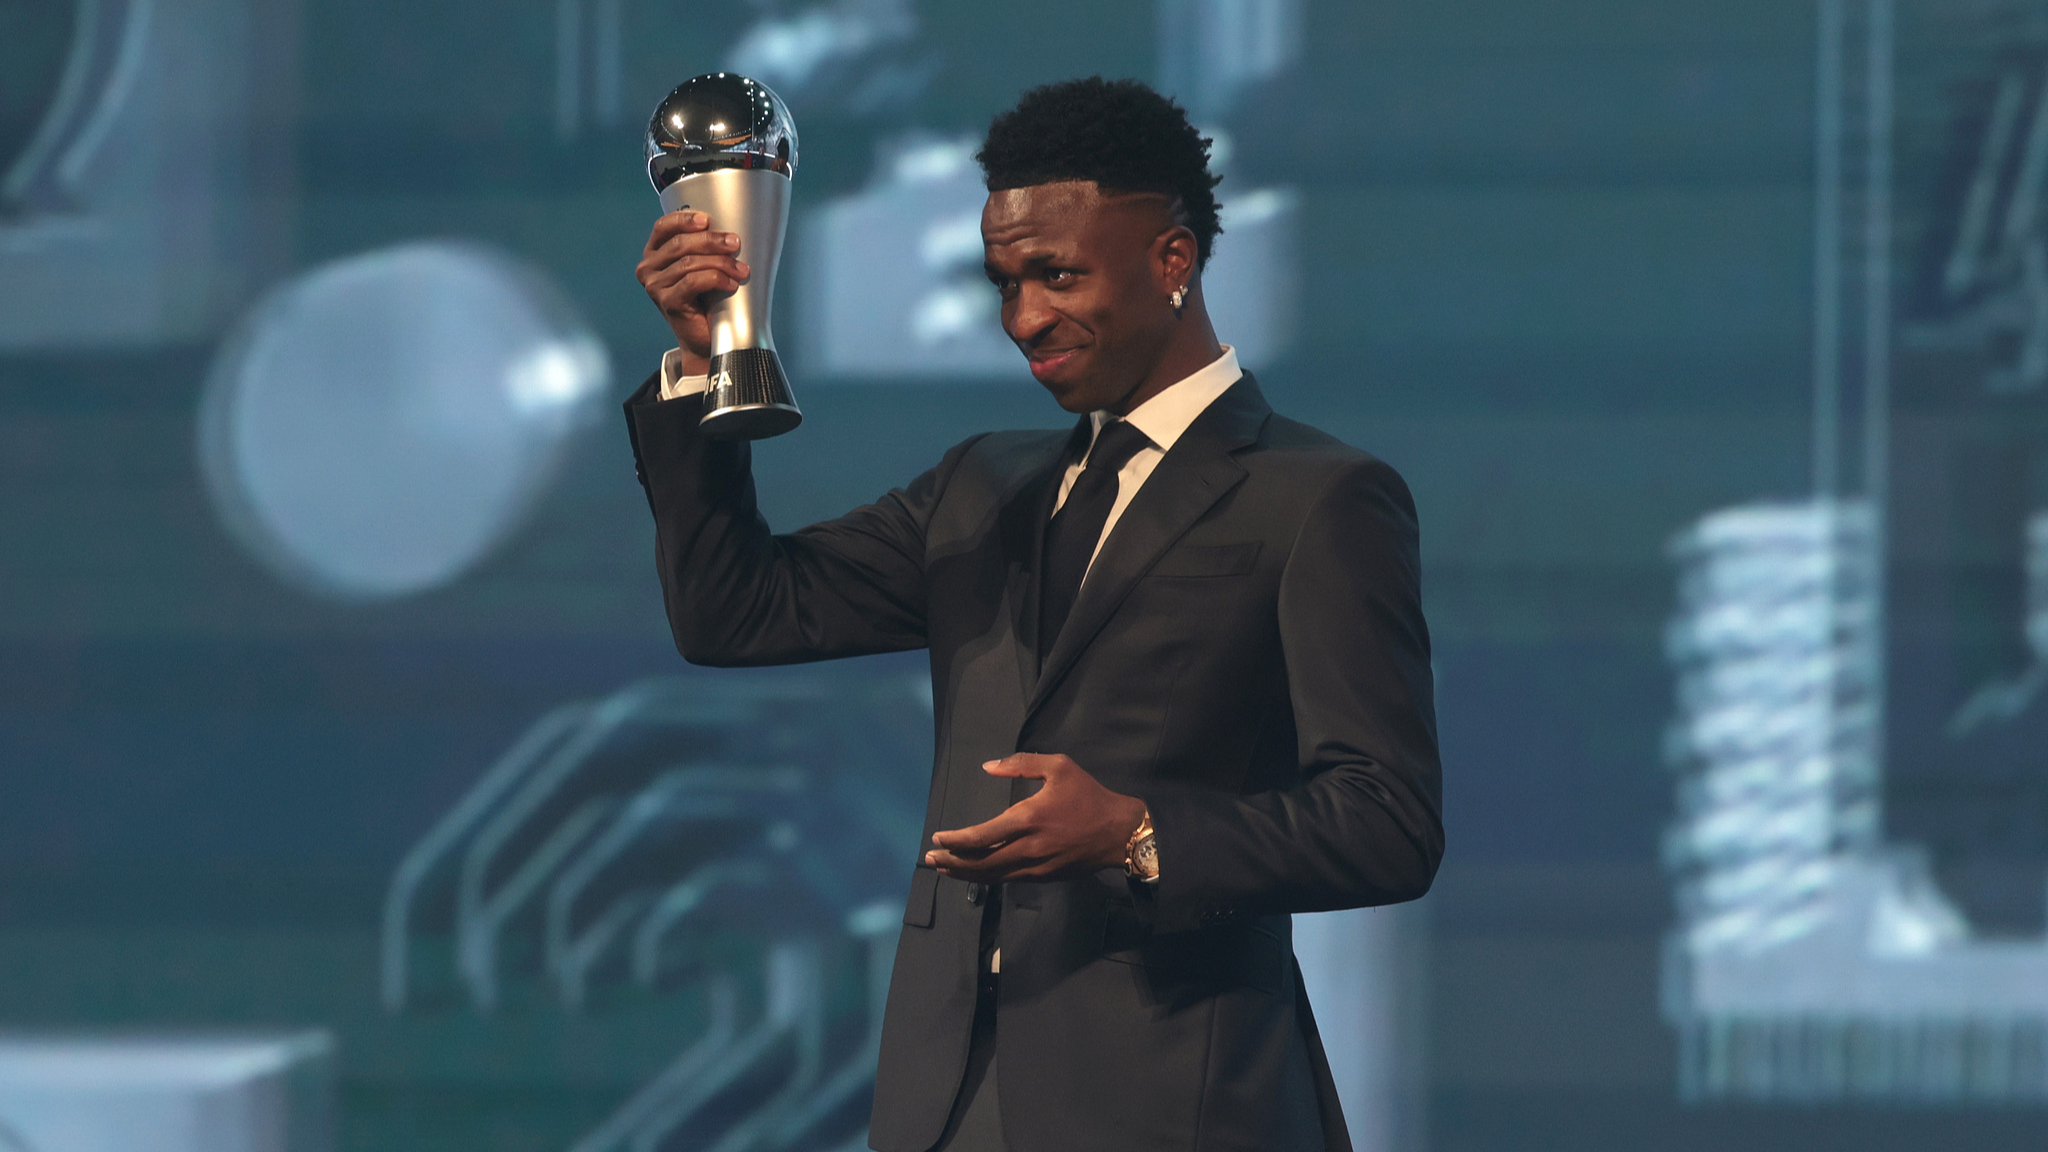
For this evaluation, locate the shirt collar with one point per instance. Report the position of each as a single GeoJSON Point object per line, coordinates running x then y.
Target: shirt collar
{"type": "Point", "coordinates": [1166, 416]}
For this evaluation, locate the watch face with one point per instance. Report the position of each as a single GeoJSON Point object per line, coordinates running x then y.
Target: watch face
{"type": "Point", "coordinates": [1147, 857]}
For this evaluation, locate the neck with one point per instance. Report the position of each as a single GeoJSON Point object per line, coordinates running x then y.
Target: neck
{"type": "Point", "coordinates": [1192, 348]}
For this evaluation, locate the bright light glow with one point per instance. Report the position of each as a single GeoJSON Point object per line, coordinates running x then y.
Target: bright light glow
{"type": "Point", "coordinates": [556, 375]}
{"type": "Point", "coordinates": [788, 52]}
{"type": "Point", "coordinates": [1221, 147]}
{"type": "Point", "coordinates": [1914, 920]}
{"type": "Point", "coordinates": [952, 313]}
{"type": "Point", "coordinates": [1259, 206]}
{"type": "Point", "coordinates": [953, 241]}
{"type": "Point", "coordinates": [935, 162]}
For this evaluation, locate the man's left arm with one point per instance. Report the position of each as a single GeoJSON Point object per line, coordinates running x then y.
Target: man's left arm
{"type": "Point", "coordinates": [1365, 824]}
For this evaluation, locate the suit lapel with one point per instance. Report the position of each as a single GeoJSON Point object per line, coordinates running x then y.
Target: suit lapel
{"type": "Point", "coordinates": [1192, 477]}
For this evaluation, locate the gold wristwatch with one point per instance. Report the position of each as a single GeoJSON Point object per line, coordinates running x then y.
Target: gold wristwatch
{"type": "Point", "coordinates": [1141, 853]}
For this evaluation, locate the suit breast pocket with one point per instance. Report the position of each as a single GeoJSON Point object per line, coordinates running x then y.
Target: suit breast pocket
{"type": "Point", "coordinates": [1206, 561]}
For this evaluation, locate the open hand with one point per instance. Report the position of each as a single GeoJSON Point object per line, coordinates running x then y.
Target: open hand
{"type": "Point", "coordinates": [684, 266]}
{"type": "Point", "coordinates": [1071, 827]}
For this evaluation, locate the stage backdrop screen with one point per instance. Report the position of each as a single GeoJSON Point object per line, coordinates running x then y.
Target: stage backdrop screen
{"type": "Point", "coordinates": [353, 795]}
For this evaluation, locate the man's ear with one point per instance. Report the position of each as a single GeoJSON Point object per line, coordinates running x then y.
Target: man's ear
{"type": "Point", "coordinates": [1174, 255]}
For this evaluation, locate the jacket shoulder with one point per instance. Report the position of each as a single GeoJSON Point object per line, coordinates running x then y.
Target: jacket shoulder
{"type": "Point", "coordinates": [1022, 447]}
{"type": "Point", "coordinates": [999, 459]}
{"type": "Point", "coordinates": [1309, 454]}
{"type": "Point", "coordinates": [992, 465]}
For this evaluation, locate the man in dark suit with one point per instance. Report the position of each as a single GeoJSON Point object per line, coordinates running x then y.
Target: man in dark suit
{"type": "Point", "coordinates": [1179, 666]}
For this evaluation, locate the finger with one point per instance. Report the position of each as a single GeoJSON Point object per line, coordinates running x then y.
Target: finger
{"type": "Point", "coordinates": [1015, 821]}
{"type": "Point", "coordinates": [959, 853]}
{"type": "Point", "coordinates": [659, 278]}
{"type": "Point", "coordinates": [686, 292]}
{"type": "Point", "coordinates": [1027, 765]}
{"type": "Point", "coordinates": [687, 242]}
{"type": "Point", "coordinates": [694, 247]}
{"type": "Point", "coordinates": [693, 298]}
{"type": "Point", "coordinates": [676, 270]}
{"type": "Point", "coordinates": [976, 875]}
{"type": "Point", "coordinates": [673, 224]}
{"type": "Point", "coordinates": [668, 227]}
{"type": "Point", "coordinates": [1013, 861]}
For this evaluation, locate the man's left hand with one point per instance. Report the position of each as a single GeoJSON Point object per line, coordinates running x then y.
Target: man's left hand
{"type": "Point", "coordinates": [1071, 827]}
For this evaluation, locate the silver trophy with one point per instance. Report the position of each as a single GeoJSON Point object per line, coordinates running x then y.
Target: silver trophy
{"type": "Point", "coordinates": [725, 145]}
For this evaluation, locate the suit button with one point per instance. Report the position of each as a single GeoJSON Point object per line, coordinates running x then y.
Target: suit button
{"type": "Point", "coordinates": [976, 893]}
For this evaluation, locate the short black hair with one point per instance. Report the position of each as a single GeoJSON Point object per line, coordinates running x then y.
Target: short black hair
{"type": "Point", "coordinates": [1118, 133]}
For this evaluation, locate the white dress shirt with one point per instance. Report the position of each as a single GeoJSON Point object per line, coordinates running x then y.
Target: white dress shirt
{"type": "Point", "coordinates": [675, 385]}
{"type": "Point", "coordinates": [1162, 419]}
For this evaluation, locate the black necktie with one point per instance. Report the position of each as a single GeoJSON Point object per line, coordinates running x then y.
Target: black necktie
{"type": "Point", "coordinates": [1076, 528]}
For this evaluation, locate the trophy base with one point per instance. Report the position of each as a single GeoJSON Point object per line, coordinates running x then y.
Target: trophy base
{"type": "Point", "coordinates": [749, 397]}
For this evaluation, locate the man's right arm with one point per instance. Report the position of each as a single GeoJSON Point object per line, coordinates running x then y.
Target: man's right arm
{"type": "Point", "coordinates": [736, 593]}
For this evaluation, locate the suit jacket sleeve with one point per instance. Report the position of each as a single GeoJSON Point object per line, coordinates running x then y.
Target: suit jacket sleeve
{"type": "Point", "coordinates": [738, 594]}
{"type": "Point", "coordinates": [1364, 825]}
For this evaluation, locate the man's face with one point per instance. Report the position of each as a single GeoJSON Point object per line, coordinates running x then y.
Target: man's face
{"type": "Point", "coordinates": [1080, 281]}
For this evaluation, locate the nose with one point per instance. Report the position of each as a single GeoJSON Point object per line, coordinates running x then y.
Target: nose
{"type": "Point", "coordinates": [1028, 316]}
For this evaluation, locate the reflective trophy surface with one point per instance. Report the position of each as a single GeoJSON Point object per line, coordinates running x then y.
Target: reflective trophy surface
{"type": "Point", "coordinates": [725, 145]}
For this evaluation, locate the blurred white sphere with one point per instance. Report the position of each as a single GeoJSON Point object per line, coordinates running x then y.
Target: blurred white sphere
{"type": "Point", "coordinates": [379, 423]}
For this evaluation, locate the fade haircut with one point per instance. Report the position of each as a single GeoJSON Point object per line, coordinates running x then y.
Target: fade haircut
{"type": "Point", "coordinates": [1118, 133]}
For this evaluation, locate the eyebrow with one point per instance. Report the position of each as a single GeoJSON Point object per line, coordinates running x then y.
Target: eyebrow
{"type": "Point", "coordinates": [1034, 261]}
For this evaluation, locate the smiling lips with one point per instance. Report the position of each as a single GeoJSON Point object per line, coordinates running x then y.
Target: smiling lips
{"type": "Point", "coordinates": [1045, 364]}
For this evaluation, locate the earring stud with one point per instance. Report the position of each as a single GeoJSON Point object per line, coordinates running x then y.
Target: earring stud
{"type": "Point", "coordinates": [1179, 297]}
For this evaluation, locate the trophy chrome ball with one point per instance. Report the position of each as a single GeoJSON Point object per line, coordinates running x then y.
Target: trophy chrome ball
{"type": "Point", "coordinates": [725, 145]}
{"type": "Point", "coordinates": [719, 120]}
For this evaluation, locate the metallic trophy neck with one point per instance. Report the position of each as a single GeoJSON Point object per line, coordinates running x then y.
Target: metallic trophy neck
{"type": "Point", "coordinates": [755, 204]}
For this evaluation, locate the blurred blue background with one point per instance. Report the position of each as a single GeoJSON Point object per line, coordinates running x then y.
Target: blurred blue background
{"type": "Point", "coordinates": [314, 500]}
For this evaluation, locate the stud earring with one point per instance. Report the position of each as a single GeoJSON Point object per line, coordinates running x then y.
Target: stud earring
{"type": "Point", "coordinates": [1179, 297]}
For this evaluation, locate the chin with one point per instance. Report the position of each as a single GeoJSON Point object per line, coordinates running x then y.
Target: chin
{"type": "Point", "coordinates": [1072, 401]}
{"type": "Point", "coordinates": [1074, 396]}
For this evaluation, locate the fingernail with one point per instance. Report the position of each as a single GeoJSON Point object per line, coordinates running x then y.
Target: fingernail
{"type": "Point", "coordinates": [730, 241]}
{"type": "Point", "coordinates": [742, 267]}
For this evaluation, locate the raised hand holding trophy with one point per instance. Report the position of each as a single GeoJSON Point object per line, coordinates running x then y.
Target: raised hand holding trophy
{"type": "Point", "coordinates": [725, 145]}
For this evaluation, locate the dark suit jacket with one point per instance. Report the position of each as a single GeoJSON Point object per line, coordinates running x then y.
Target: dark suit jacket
{"type": "Point", "coordinates": [1248, 655]}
